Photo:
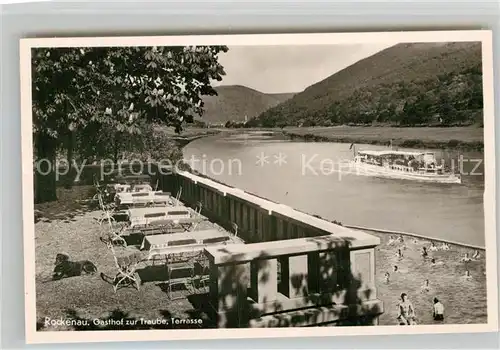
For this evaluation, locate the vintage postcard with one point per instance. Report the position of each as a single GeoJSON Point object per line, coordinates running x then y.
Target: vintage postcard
{"type": "Point", "coordinates": [230, 186]}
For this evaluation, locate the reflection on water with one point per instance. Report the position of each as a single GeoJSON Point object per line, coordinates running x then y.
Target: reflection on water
{"type": "Point", "coordinates": [306, 175]}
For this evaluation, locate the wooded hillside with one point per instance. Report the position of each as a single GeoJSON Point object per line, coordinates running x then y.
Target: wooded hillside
{"type": "Point", "coordinates": [407, 85]}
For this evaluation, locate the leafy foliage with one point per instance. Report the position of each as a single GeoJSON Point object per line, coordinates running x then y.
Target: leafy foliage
{"type": "Point", "coordinates": [102, 98]}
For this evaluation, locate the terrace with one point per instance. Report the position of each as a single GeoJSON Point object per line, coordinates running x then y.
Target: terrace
{"type": "Point", "coordinates": [265, 271]}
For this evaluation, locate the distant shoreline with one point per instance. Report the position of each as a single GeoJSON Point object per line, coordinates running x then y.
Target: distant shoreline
{"type": "Point", "coordinates": [429, 239]}
{"type": "Point", "coordinates": [468, 138]}
{"type": "Point", "coordinates": [455, 138]}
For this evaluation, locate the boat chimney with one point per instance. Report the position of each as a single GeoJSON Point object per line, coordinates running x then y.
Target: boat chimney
{"type": "Point", "coordinates": [353, 147]}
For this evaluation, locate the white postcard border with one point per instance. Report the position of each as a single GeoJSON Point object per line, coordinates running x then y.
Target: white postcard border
{"type": "Point", "coordinates": [483, 36]}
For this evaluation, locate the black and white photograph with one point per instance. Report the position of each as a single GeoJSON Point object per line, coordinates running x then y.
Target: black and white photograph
{"type": "Point", "coordinates": [253, 183]}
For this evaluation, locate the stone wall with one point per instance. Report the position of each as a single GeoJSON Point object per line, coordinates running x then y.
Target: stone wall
{"type": "Point", "coordinates": [295, 270]}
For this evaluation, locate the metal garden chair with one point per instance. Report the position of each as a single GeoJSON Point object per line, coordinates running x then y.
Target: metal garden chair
{"type": "Point", "coordinates": [127, 266]}
{"type": "Point", "coordinates": [108, 210]}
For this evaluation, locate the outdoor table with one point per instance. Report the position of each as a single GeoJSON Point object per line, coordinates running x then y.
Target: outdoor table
{"type": "Point", "coordinates": [119, 188]}
{"type": "Point", "coordinates": [143, 198]}
{"type": "Point", "coordinates": [130, 179]}
{"type": "Point", "coordinates": [163, 226]}
{"type": "Point", "coordinates": [145, 216]}
{"type": "Point", "coordinates": [142, 188]}
{"type": "Point", "coordinates": [155, 229]}
{"type": "Point", "coordinates": [185, 242]}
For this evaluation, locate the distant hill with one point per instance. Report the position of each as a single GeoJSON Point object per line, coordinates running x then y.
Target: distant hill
{"type": "Point", "coordinates": [406, 84]}
{"type": "Point", "coordinates": [235, 101]}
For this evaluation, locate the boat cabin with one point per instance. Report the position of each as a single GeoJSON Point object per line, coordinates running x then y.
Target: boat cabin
{"type": "Point", "coordinates": [401, 160]}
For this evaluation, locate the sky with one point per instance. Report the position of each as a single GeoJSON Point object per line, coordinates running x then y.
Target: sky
{"type": "Point", "coordinates": [279, 69]}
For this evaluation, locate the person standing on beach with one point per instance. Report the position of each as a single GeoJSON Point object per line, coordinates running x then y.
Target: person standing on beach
{"type": "Point", "coordinates": [438, 310]}
{"type": "Point", "coordinates": [424, 253]}
{"type": "Point", "coordinates": [399, 254]}
{"type": "Point", "coordinates": [476, 255]}
{"type": "Point", "coordinates": [406, 312]}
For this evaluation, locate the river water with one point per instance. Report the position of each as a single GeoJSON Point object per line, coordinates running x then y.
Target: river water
{"type": "Point", "coordinates": [311, 176]}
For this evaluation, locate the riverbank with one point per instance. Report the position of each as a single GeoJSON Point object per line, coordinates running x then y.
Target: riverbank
{"type": "Point", "coordinates": [468, 138]}
{"type": "Point", "coordinates": [187, 135]}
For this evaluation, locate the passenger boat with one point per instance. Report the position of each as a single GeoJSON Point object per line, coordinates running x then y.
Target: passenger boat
{"type": "Point", "coordinates": [418, 166]}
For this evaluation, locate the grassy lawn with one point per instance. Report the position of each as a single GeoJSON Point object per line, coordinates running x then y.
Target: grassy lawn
{"type": "Point", "coordinates": [69, 226]}
{"type": "Point", "coordinates": [471, 136]}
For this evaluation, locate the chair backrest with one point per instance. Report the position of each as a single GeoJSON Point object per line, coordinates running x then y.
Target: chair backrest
{"type": "Point", "coordinates": [151, 230]}
{"type": "Point", "coordinates": [109, 244]}
{"type": "Point", "coordinates": [140, 194]}
{"type": "Point", "coordinates": [178, 196]}
{"type": "Point", "coordinates": [122, 188]}
{"type": "Point", "coordinates": [164, 222]}
{"type": "Point", "coordinates": [142, 188]}
{"type": "Point", "coordinates": [216, 240]}
{"type": "Point", "coordinates": [178, 212]}
{"type": "Point", "coordinates": [235, 228]}
{"type": "Point", "coordinates": [127, 261]}
{"type": "Point", "coordinates": [108, 219]}
{"type": "Point", "coordinates": [101, 202]}
{"type": "Point", "coordinates": [154, 215]}
{"type": "Point", "coordinates": [199, 207]}
{"type": "Point", "coordinates": [95, 181]}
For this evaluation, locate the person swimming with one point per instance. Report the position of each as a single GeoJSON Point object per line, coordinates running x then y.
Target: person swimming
{"type": "Point", "coordinates": [436, 263]}
{"type": "Point", "coordinates": [392, 240]}
{"type": "Point", "coordinates": [476, 255]}
{"type": "Point", "coordinates": [433, 247]}
{"type": "Point", "coordinates": [399, 254]}
{"type": "Point", "coordinates": [467, 275]}
{"type": "Point", "coordinates": [425, 287]}
{"type": "Point", "coordinates": [401, 239]}
{"type": "Point", "coordinates": [445, 246]}
{"type": "Point", "coordinates": [424, 253]}
{"type": "Point", "coordinates": [387, 277]}
{"type": "Point", "coordinates": [395, 268]}
{"type": "Point", "coordinates": [465, 258]}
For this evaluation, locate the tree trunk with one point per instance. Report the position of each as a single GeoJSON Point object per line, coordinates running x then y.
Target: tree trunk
{"type": "Point", "coordinates": [116, 148]}
{"type": "Point", "coordinates": [45, 175]}
{"type": "Point", "coordinates": [70, 176]}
